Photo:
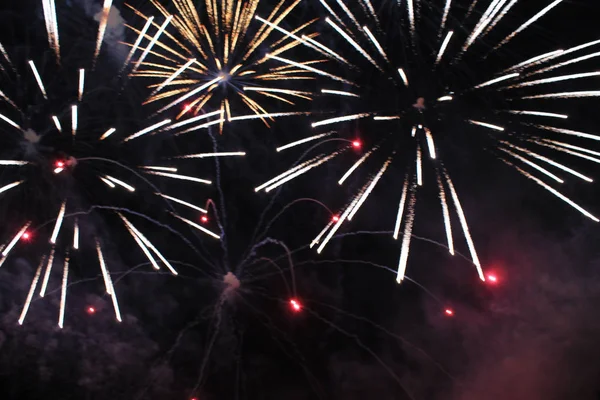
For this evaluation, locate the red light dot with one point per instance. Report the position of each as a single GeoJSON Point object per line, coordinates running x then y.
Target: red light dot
{"type": "Point", "coordinates": [492, 278]}
{"type": "Point", "coordinates": [60, 164]}
{"type": "Point", "coordinates": [335, 218]}
{"type": "Point", "coordinates": [204, 218]}
{"type": "Point", "coordinates": [26, 236]}
{"type": "Point", "coordinates": [356, 144]}
{"type": "Point", "coordinates": [449, 312]}
{"type": "Point", "coordinates": [295, 304]}
{"type": "Point", "coordinates": [91, 310]}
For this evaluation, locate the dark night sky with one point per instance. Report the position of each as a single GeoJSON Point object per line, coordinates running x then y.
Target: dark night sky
{"type": "Point", "coordinates": [533, 335]}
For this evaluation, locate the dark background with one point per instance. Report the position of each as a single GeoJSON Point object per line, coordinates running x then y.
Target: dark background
{"type": "Point", "coordinates": [533, 335]}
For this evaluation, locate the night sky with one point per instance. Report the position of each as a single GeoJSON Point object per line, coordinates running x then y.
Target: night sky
{"type": "Point", "coordinates": [225, 328]}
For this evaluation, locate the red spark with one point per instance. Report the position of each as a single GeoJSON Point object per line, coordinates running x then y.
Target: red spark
{"type": "Point", "coordinates": [60, 164]}
{"type": "Point", "coordinates": [26, 236]}
{"type": "Point", "coordinates": [335, 218]}
{"type": "Point", "coordinates": [492, 278]}
{"type": "Point", "coordinates": [204, 219]}
{"type": "Point", "coordinates": [91, 310]}
{"type": "Point", "coordinates": [356, 144]}
{"type": "Point", "coordinates": [296, 306]}
{"type": "Point", "coordinates": [449, 312]}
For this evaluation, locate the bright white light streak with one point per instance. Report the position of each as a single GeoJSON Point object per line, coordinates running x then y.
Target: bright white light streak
{"type": "Point", "coordinates": [190, 94]}
{"type": "Point", "coordinates": [277, 90]}
{"type": "Point", "coordinates": [386, 118]}
{"type": "Point", "coordinates": [406, 237]}
{"type": "Point", "coordinates": [261, 116]}
{"type": "Point", "coordinates": [47, 273]}
{"type": "Point", "coordinates": [14, 241]}
{"type": "Point", "coordinates": [180, 177]}
{"type": "Point", "coordinates": [13, 162]}
{"type": "Point", "coordinates": [339, 93]}
{"type": "Point", "coordinates": [535, 60]}
{"type": "Point", "coordinates": [568, 132]}
{"type": "Point", "coordinates": [185, 203]}
{"type": "Point", "coordinates": [302, 141]}
{"type": "Point", "coordinates": [200, 228]}
{"type": "Point", "coordinates": [141, 245]}
{"type": "Point", "coordinates": [533, 165]}
{"type": "Point", "coordinates": [58, 170]}
{"type": "Point", "coordinates": [63, 293]}
{"type": "Point", "coordinates": [137, 42]}
{"type": "Point", "coordinates": [550, 161]}
{"type": "Point", "coordinates": [81, 83]}
{"type": "Point", "coordinates": [352, 42]}
{"type": "Point", "coordinates": [10, 121]}
{"type": "Point", "coordinates": [445, 16]}
{"type": "Point", "coordinates": [291, 176]}
{"type": "Point", "coordinates": [120, 183]}
{"type": "Point", "coordinates": [107, 133]}
{"type": "Point", "coordinates": [213, 155]}
{"type": "Point", "coordinates": [73, 120]}
{"type": "Point", "coordinates": [499, 79]}
{"type": "Point", "coordinates": [337, 225]}
{"type": "Point", "coordinates": [320, 235]}
{"type": "Point", "coordinates": [401, 208]}
{"type": "Point", "coordinates": [38, 79]}
{"type": "Point", "coordinates": [367, 192]}
{"type": "Point", "coordinates": [430, 144]}
{"type": "Point", "coordinates": [570, 146]}
{"type": "Point", "coordinates": [288, 172]}
{"type": "Point", "coordinates": [403, 76]}
{"type": "Point", "coordinates": [413, 131]}
{"type": "Point", "coordinates": [59, 220]}
{"type": "Point", "coordinates": [325, 49]}
{"type": "Point", "coordinates": [465, 227]}
{"type": "Point", "coordinates": [108, 282]}
{"type": "Point", "coordinates": [443, 47]}
{"type": "Point", "coordinates": [419, 167]}
{"type": "Point", "coordinates": [411, 16]}
{"type": "Point", "coordinates": [446, 214]}
{"type": "Point", "coordinates": [375, 42]}
{"type": "Point", "coordinates": [147, 130]}
{"type": "Point", "coordinates": [173, 76]}
{"type": "Point", "coordinates": [556, 193]}
{"type": "Point", "coordinates": [57, 123]}
{"type": "Point", "coordinates": [102, 28]}
{"type": "Point", "coordinates": [445, 98]}
{"type": "Point", "coordinates": [107, 182]}
{"type": "Point", "coordinates": [486, 125]}
{"type": "Point", "coordinates": [557, 79]}
{"type": "Point", "coordinates": [149, 244]}
{"type": "Point", "coordinates": [194, 119]}
{"type": "Point", "coordinates": [34, 282]}
{"type": "Point", "coordinates": [528, 23]}
{"type": "Point", "coordinates": [76, 235]}
{"type": "Point", "coordinates": [565, 95]}
{"type": "Point", "coordinates": [308, 68]}
{"type": "Point", "coordinates": [539, 114]}
{"type": "Point", "coordinates": [167, 169]}
{"type": "Point", "coordinates": [339, 119]}
{"type": "Point", "coordinates": [152, 42]}
{"type": "Point", "coordinates": [356, 165]}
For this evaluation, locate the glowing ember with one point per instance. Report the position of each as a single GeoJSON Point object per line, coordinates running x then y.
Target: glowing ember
{"type": "Point", "coordinates": [26, 236]}
{"type": "Point", "coordinates": [449, 312]}
{"type": "Point", "coordinates": [91, 310]}
{"type": "Point", "coordinates": [60, 164]}
{"type": "Point", "coordinates": [356, 144]}
{"type": "Point", "coordinates": [335, 218]}
{"type": "Point", "coordinates": [204, 218]}
{"type": "Point", "coordinates": [296, 306]}
{"type": "Point", "coordinates": [492, 278]}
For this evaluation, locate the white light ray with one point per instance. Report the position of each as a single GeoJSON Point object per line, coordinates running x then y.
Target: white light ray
{"type": "Point", "coordinates": [173, 76]}
{"type": "Point", "coordinates": [38, 79]}
{"type": "Point", "coordinates": [565, 95]}
{"type": "Point", "coordinates": [401, 208]}
{"type": "Point", "coordinates": [305, 140]}
{"type": "Point", "coordinates": [107, 133]}
{"type": "Point", "coordinates": [200, 228]}
{"type": "Point", "coordinates": [63, 293]}
{"type": "Point", "coordinates": [10, 122]}
{"type": "Point", "coordinates": [356, 165]}
{"type": "Point", "coordinates": [194, 119]}
{"type": "Point", "coordinates": [73, 120]}
{"type": "Point", "coordinates": [147, 130]}
{"type": "Point", "coordinates": [47, 273]}
{"type": "Point", "coordinates": [152, 43]}
{"type": "Point", "coordinates": [339, 92]}
{"type": "Point", "coordinates": [308, 68]}
{"type": "Point", "coordinates": [403, 76]}
{"type": "Point", "coordinates": [213, 155]}
{"type": "Point", "coordinates": [102, 27]}
{"type": "Point", "coordinates": [57, 123]}
{"type": "Point", "coordinates": [120, 183]}
{"type": "Point", "coordinates": [15, 239]}
{"type": "Point", "coordinates": [352, 42]}
{"type": "Point", "coordinates": [339, 119]}
{"type": "Point", "coordinates": [486, 125]}
{"type": "Point", "coordinates": [538, 113]}
{"type": "Point", "coordinates": [180, 177]}
{"type": "Point", "coordinates": [190, 94]}
{"type": "Point", "coordinates": [375, 42]}
{"type": "Point", "coordinates": [59, 220]}
{"type": "Point", "coordinates": [443, 47]}
{"type": "Point", "coordinates": [496, 80]}
{"type": "Point", "coordinates": [185, 203]}
{"type": "Point", "coordinates": [34, 282]}
{"type": "Point", "coordinates": [76, 235]}
{"type": "Point", "coordinates": [406, 238]}
{"type": "Point", "coordinates": [367, 192]}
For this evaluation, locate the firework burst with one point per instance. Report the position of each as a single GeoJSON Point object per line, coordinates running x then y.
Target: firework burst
{"type": "Point", "coordinates": [215, 58]}
{"type": "Point", "coordinates": [63, 165]}
{"type": "Point", "coordinates": [420, 81]}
